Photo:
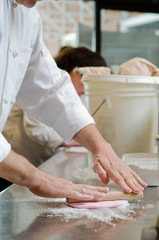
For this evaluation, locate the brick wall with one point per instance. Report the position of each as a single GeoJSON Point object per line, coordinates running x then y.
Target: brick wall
{"type": "Point", "coordinates": [60, 17]}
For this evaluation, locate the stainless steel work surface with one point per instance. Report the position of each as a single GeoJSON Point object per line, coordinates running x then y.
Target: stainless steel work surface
{"type": "Point", "coordinates": [24, 216]}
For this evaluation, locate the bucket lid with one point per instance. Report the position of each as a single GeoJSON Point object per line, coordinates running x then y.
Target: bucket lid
{"type": "Point", "coordinates": [121, 79]}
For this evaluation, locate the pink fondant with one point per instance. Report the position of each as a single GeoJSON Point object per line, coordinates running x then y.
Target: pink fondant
{"type": "Point", "coordinates": [102, 204]}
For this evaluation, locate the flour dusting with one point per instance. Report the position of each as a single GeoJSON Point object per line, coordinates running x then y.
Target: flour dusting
{"type": "Point", "coordinates": [105, 215]}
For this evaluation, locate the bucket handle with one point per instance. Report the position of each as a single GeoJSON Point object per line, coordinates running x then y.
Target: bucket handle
{"type": "Point", "coordinates": [106, 99]}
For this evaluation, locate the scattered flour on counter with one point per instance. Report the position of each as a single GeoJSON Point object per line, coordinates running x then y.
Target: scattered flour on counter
{"type": "Point", "coordinates": [105, 215]}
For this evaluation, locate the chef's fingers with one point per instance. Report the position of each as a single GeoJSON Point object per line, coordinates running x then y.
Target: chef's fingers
{"type": "Point", "coordinates": [131, 178]}
{"type": "Point", "coordinates": [133, 184]}
{"type": "Point", "coordinates": [119, 180]}
{"type": "Point", "coordinates": [85, 192]}
{"type": "Point", "coordinates": [140, 181]}
{"type": "Point", "coordinates": [110, 170]}
{"type": "Point", "coordinates": [98, 168]}
{"type": "Point", "coordinates": [122, 175]}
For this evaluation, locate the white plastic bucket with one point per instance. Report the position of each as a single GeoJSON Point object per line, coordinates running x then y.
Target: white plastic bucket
{"type": "Point", "coordinates": [125, 109]}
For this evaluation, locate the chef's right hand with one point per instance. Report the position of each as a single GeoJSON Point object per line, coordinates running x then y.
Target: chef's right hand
{"type": "Point", "coordinates": [46, 185]}
{"type": "Point", "coordinates": [17, 169]}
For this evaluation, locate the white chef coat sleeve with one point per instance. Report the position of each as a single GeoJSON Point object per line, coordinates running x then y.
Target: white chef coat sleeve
{"type": "Point", "coordinates": [5, 148]}
{"type": "Point", "coordinates": [48, 94]}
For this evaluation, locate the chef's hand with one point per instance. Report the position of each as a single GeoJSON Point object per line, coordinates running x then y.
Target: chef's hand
{"type": "Point", "coordinates": [17, 169]}
{"type": "Point", "coordinates": [106, 163]}
{"type": "Point", "coordinates": [50, 186]}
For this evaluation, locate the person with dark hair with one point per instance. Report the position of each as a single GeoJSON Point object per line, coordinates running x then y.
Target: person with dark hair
{"type": "Point", "coordinates": [30, 76]}
{"type": "Point", "coordinates": [69, 58]}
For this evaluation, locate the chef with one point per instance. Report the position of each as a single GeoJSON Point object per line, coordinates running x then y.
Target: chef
{"type": "Point", "coordinates": [29, 76]}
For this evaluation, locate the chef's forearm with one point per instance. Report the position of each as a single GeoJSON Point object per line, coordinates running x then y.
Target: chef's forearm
{"type": "Point", "coordinates": [17, 169]}
{"type": "Point", "coordinates": [90, 138]}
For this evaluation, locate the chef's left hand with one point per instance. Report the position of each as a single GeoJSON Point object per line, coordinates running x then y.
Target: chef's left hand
{"type": "Point", "coordinates": [108, 165]}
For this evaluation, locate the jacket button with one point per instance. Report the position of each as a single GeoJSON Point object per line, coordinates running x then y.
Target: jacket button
{"type": "Point", "coordinates": [14, 5]}
{"type": "Point", "coordinates": [15, 54]}
{"type": "Point", "coordinates": [5, 100]}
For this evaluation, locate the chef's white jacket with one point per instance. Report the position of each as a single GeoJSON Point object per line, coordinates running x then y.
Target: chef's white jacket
{"type": "Point", "coordinates": [29, 75]}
